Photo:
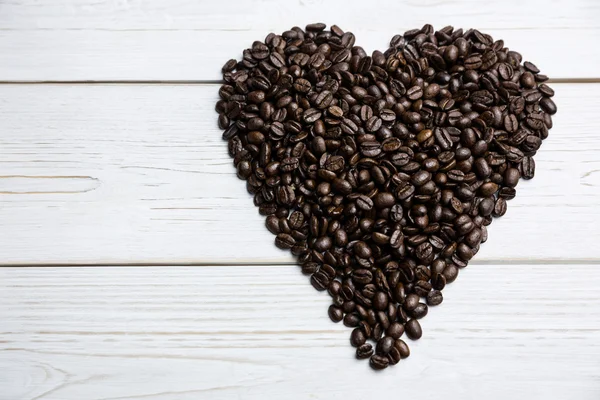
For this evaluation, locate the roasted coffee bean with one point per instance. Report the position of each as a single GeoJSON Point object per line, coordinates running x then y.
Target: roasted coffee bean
{"type": "Point", "coordinates": [439, 282]}
{"type": "Point", "coordinates": [394, 356]}
{"type": "Point", "coordinates": [411, 302]}
{"type": "Point", "coordinates": [434, 298]}
{"type": "Point", "coordinates": [395, 330]}
{"type": "Point", "coordinates": [527, 168]}
{"type": "Point", "coordinates": [319, 281]}
{"type": "Point", "coordinates": [351, 320]}
{"type": "Point", "coordinates": [420, 311]}
{"type": "Point", "coordinates": [488, 189]}
{"type": "Point", "coordinates": [357, 338]}
{"type": "Point", "coordinates": [379, 362]}
{"type": "Point", "coordinates": [450, 273]}
{"type": "Point", "coordinates": [335, 313]}
{"type": "Point", "coordinates": [362, 250]}
{"type": "Point", "coordinates": [285, 241]}
{"type": "Point", "coordinates": [384, 345]}
{"type": "Point", "coordinates": [511, 177]}
{"type": "Point", "coordinates": [402, 348]}
{"type": "Point", "coordinates": [381, 173]}
{"type": "Point", "coordinates": [365, 351]}
{"type": "Point", "coordinates": [499, 208]}
{"type": "Point", "coordinates": [380, 301]}
{"type": "Point", "coordinates": [413, 329]}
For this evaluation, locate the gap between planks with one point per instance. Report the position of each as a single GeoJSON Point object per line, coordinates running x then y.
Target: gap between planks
{"type": "Point", "coordinates": [505, 262]}
{"type": "Point", "coordinates": [209, 82]}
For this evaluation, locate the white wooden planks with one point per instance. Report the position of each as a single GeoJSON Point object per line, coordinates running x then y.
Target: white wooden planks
{"type": "Point", "coordinates": [76, 40]}
{"type": "Point", "coordinates": [503, 331]}
{"type": "Point", "coordinates": [98, 174]}
{"type": "Point", "coordinates": [138, 174]}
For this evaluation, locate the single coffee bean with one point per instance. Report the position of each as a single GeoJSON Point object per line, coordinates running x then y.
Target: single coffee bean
{"type": "Point", "coordinates": [384, 345]}
{"type": "Point", "coordinates": [434, 298]}
{"type": "Point", "coordinates": [335, 313]}
{"type": "Point", "coordinates": [486, 206]}
{"type": "Point", "coordinates": [527, 168]}
{"type": "Point", "coordinates": [488, 189]}
{"type": "Point", "coordinates": [379, 362]}
{"type": "Point", "coordinates": [319, 281]}
{"type": "Point", "coordinates": [420, 311]}
{"type": "Point", "coordinates": [411, 302]}
{"type": "Point", "coordinates": [511, 177]}
{"type": "Point", "coordinates": [351, 320]}
{"type": "Point", "coordinates": [402, 348]}
{"type": "Point", "coordinates": [380, 301]}
{"type": "Point", "coordinates": [285, 241]}
{"type": "Point", "coordinates": [450, 273]}
{"type": "Point", "coordinates": [413, 329]}
{"type": "Point", "coordinates": [362, 250]}
{"type": "Point", "coordinates": [499, 208]}
{"type": "Point", "coordinates": [394, 356]}
{"type": "Point", "coordinates": [395, 330]}
{"type": "Point", "coordinates": [357, 338]}
{"type": "Point", "coordinates": [365, 351]}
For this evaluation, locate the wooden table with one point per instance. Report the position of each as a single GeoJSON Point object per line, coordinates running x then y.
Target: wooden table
{"type": "Point", "coordinates": [136, 266]}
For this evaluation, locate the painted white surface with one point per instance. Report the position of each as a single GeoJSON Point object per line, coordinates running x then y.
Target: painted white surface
{"type": "Point", "coordinates": [262, 332]}
{"type": "Point", "coordinates": [137, 174]}
{"type": "Point", "coordinates": [137, 40]}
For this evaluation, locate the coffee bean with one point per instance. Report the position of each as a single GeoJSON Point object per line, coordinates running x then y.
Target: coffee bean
{"type": "Point", "coordinates": [380, 301]}
{"type": "Point", "coordinates": [357, 338]}
{"type": "Point", "coordinates": [379, 362]}
{"type": "Point", "coordinates": [507, 193]}
{"type": "Point", "coordinates": [414, 93]}
{"type": "Point", "coordinates": [362, 250]}
{"type": "Point", "coordinates": [365, 351]}
{"type": "Point", "coordinates": [413, 329]}
{"type": "Point", "coordinates": [450, 273]}
{"type": "Point", "coordinates": [424, 251]}
{"type": "Point", "coordinates": [362, 276]}
{"type": "Point", "coordinates": [229, 65]}
{"type": "Point", "coordinates": [411, 302]}
{"type": "Point", "coordinates": [394, 356]}
{"type": "Point", "coordinates": [511, 177]}
{"type": "Point", "coordinates": [443, 138]}
{"type": "Point", "coordinates": [434, 298]}
{"type": "Point", "coordinates": [316, 27]}
{"type": "Point", "coordinates": [272, 223]}
{"type": "Point", "coordinates": [402, 348]}
{"type": "Point", "coordinates": [342, 186]}
{"type": "Point", "coordinates": [351, 320]}
{"type": "Point", "coordinates": [384, 345]}
{"type": "Point", "coordinates": [395, 330]}
{"type": "Point", "coordinates": [499, 208]}
{"type": "Point", "coordinates": [527, 168]}
{"type": "Point", "coordinates": [488, 189]}
{"type": "Point", "coordinates": [335, 313]}
{"type": "Point", "coordinates": [381, 173]}
{"type": "Point", "coordinates": [420, 311]}
{"type": "Point", "coordinates": [324, 99]}
{"type": "Point", "coordinates": [323, 243]}
{"type": "Point", "coordinates": [285, 241]}
{"type": "Point", "coordinates": [364, 203]}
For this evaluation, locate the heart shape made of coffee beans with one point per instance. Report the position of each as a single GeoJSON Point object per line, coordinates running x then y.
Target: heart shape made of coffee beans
{"type": "Point", "coordinates": [381, 172]}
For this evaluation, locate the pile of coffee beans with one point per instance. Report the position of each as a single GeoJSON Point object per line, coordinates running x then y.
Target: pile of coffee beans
{"type": "Point", "coordinates": [381, 172]}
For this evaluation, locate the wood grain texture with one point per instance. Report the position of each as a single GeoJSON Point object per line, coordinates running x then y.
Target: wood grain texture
{"type": "Point", "coordinates": [190, 40]}
{"type": "Point", "coordinates": [503, 331]}
{"type": "Point", "coordinates": [138, 174]}
{"type": "Point", "coordinates": [98, 174]}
